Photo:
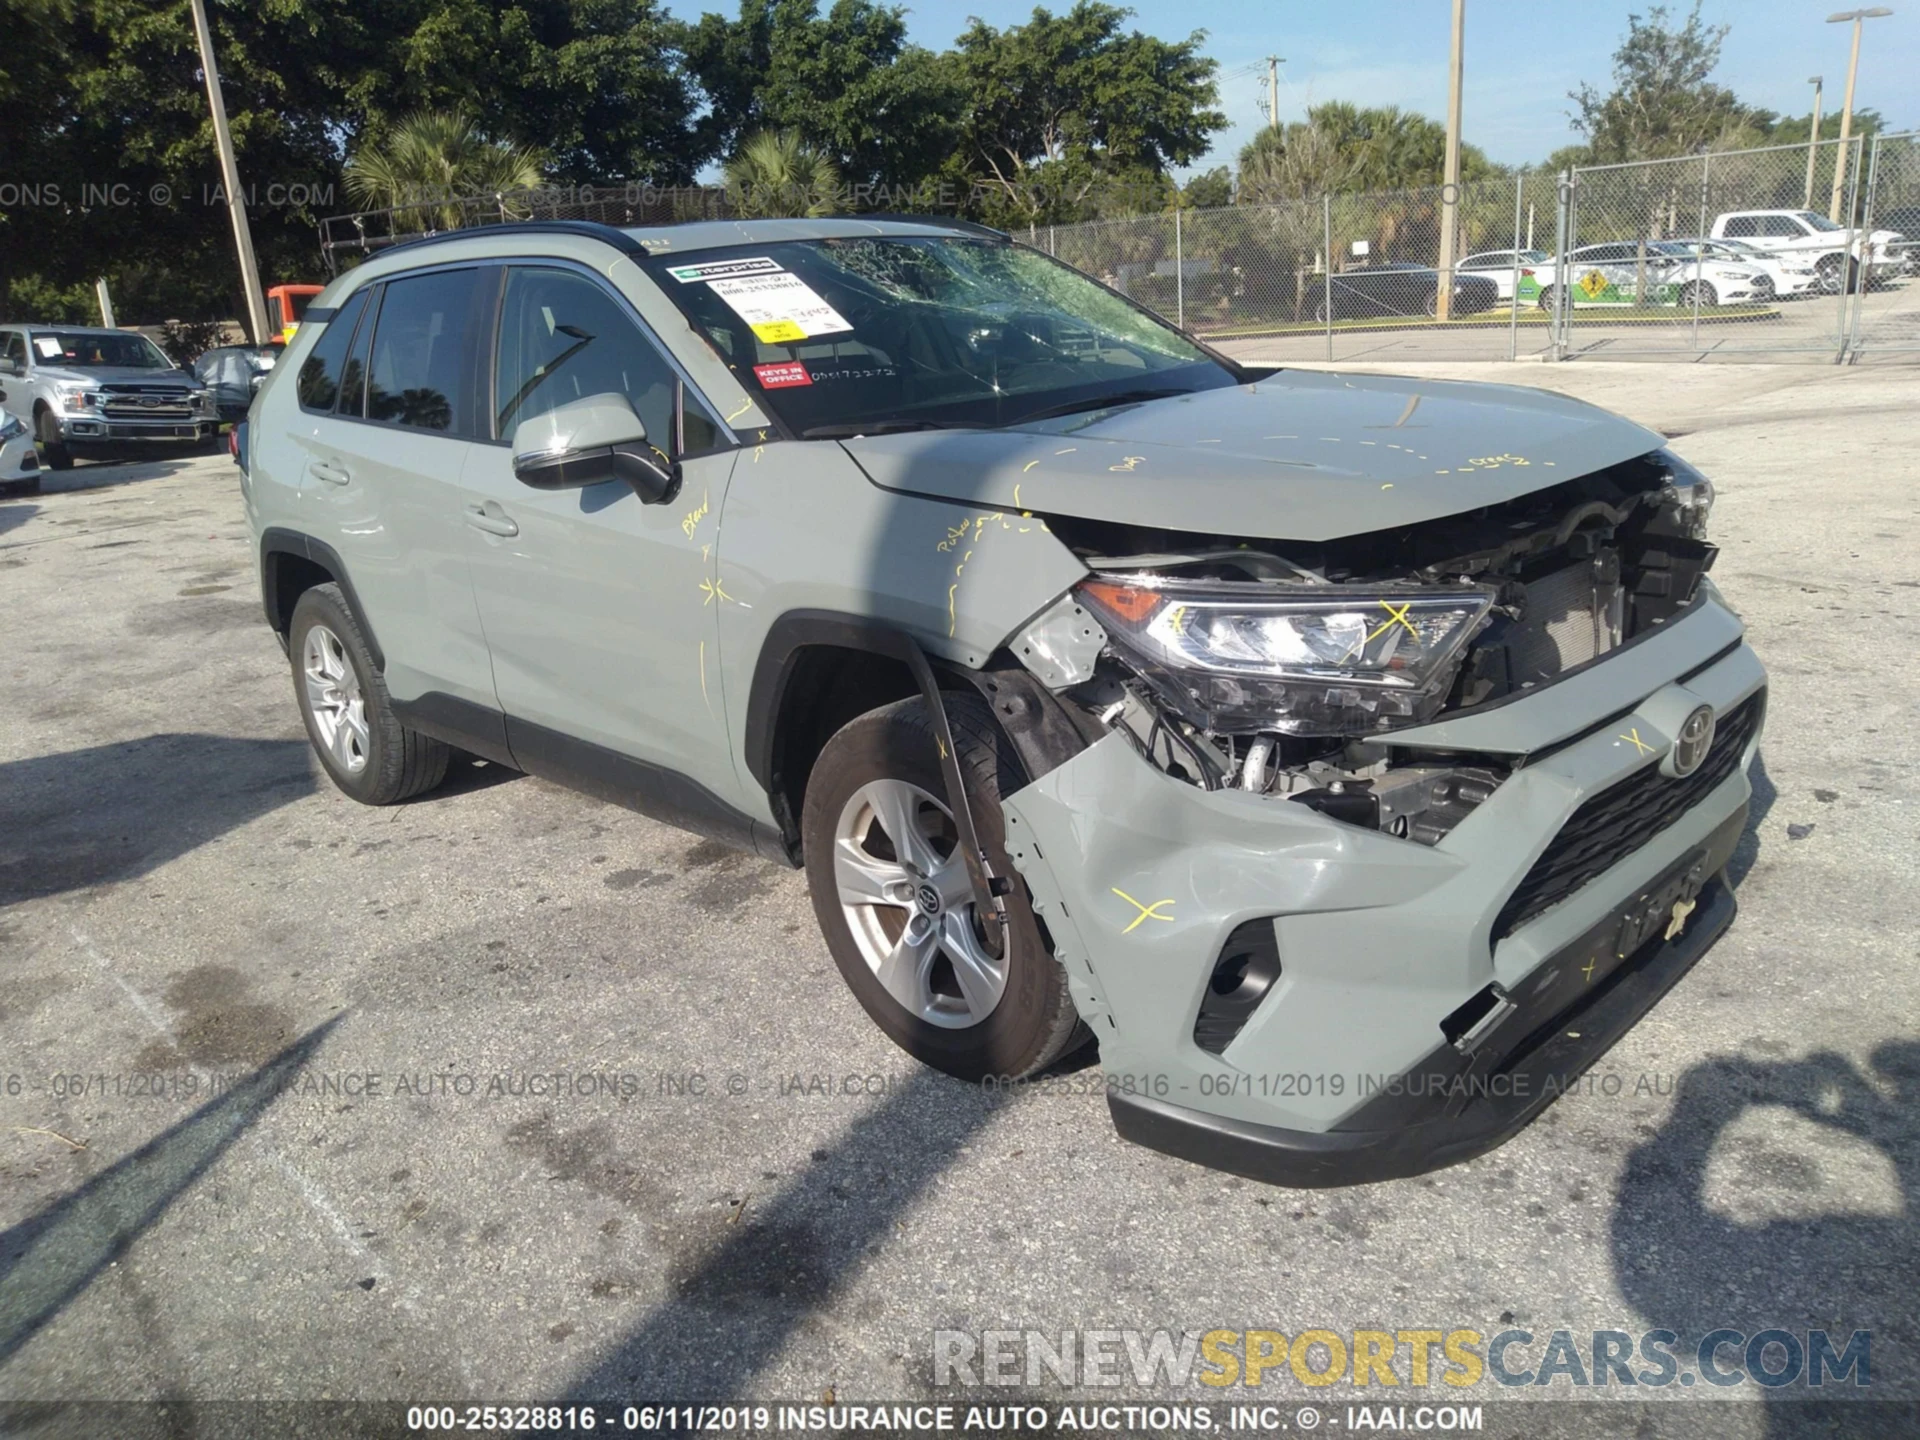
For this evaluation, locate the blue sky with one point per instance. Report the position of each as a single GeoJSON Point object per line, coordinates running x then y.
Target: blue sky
{"type": "Point", "coordinates": [1522, 56]}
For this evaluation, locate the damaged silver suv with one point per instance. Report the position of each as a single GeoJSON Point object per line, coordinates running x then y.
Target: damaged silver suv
{"type": "Point", "coordinates": [1351, 759]}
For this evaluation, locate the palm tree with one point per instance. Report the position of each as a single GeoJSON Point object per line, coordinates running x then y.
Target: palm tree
{"type": "Point", "coordinates": [433, 160]}
{"type": "Point", "coordinates": [776, 173]}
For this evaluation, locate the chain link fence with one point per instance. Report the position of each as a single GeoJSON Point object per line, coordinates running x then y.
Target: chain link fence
{"type": "Point", "coordinates": [1885, 322]}
{"type": "Point", "coordinates": [1790, 251]}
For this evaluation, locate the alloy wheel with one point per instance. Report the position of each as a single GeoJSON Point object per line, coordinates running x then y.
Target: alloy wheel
{"type": "Point", "coordinates": [904, 892]}
{"type": "Point", "coordinates": [334, 699]}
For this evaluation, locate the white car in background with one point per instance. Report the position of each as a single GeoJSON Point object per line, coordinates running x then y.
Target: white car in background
{"type": "Point", "coordinates": [1792, 275]}
{"type": "Point", "coordinates": [19, 461]}
{"type": "Point", "coordinates": [1812, 239]}
{"type": "Point", "coordinates": [1535, 271]}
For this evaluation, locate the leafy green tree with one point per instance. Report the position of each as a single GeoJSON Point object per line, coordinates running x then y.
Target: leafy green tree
{"type": "Point", "coordinates": [846, 82]}
{"type": "Point", "coordinates": [1066, 105]}
{"type": "Point", "coordinates": [434, 158]}
{"type": "Point", "coordinates": [1663, 101]}
{"type": "Point", "coordinates": [1209, 190]}
{"type": "Point", "coordinates": [1346, 147]}
{"type": "Point", "coordinates": [777, 173]}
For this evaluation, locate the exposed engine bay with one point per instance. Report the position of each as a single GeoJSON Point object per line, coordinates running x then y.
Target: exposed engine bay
{"type": "Point", "coordinates": [1274, 667]}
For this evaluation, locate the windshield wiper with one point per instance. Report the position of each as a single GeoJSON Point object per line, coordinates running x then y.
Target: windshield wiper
{"type": "Point", "coordinates": [850, 430]}
{"type": "Point", "coordinates": [1098, 402]}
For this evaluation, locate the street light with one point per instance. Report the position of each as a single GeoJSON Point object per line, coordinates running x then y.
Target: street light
{"type": "Point", "coordinates": [1846, 109]}
{"type": "Point", "coordinates": [1450, 176]}
{"type": "Point", "coordinates": [1813, 141]}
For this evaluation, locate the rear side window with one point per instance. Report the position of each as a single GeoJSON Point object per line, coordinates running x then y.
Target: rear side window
{"type": "Point", "coordinates": [563, 338]}
{"type": "Point", "coordinates": [421, 371]}
{"type": "Point", "coordinates": [319, 382]}
{"type": "Point", "coordinates": [1741, 227]}
{"type": "Point", "coordinates": [353, 374]}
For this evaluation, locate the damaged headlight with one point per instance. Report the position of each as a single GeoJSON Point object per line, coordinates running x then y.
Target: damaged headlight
{"type": "Point", "coordinates": [1337, 660]}
{"type": "Point", "coordinates": [1693, 494]}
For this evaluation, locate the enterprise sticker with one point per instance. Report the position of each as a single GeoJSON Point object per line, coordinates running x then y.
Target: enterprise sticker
{"type": "Point", "coordinates": [779, 377]}
{"type": "Point", "coordinates": [723, 269]}
{"type": "Point", "coordinates": [780, 308]}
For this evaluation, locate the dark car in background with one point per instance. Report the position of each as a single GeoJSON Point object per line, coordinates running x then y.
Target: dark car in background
{"type": "Point", "coordinates": [1401, 288]}
{"type": "Point", "coordinates": [232, 373]}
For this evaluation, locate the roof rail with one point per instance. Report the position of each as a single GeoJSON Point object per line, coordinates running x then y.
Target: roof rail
{"type": "Point", "coordinates": [586, 229]}
{"type": "Point", "coordinates": [943, 222]}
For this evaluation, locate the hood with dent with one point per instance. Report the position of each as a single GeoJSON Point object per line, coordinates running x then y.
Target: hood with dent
{"type": "Point", "coordinates": [1300, 455]}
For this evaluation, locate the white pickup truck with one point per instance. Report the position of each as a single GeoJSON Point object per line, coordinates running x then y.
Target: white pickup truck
{"type": "Point", "coordinates": [1811, 237]}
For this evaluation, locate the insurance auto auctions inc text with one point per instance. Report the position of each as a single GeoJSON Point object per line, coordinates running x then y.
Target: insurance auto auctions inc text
{"type": "Point", "coordinates": [1316, 1358]}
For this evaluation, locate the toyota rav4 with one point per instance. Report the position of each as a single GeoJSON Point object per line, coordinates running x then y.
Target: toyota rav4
{"type": "Point", "coordinates": [1352, 759]}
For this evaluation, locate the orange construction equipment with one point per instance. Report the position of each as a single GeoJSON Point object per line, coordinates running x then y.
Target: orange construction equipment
{"type": "Point", "coordinates": [285, 305]}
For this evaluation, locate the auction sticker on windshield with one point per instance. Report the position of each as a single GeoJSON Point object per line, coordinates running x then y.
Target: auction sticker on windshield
{"type": "Point", "coordinates": [779, 308]}
{"type": "Point", "coordinates": [725, 269]}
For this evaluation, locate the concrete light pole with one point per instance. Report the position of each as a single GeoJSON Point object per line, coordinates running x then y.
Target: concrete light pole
{"type": "Point", "coordinates": [1813, 141]}
{"type": "Point", "coordinates": [230, 178]}
{"type": "Point", "coordinates": [1274, 62]}
{"type": "Point", "coordinates": [1450, 178]}
{"type": "Point", "coordinates": [1846, 109]}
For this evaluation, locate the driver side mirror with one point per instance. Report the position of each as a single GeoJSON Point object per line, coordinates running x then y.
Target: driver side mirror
{"type": "Point", "coordinates": [591, 440]}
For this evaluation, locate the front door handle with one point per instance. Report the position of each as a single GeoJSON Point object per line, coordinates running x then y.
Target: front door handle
{"type": "Point", "coordinates": [330, 474]}
{"type": "Point", "coordinates": [491, 519]}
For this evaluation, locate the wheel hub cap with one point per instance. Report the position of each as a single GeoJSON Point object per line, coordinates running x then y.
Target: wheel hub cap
{"type": "Point", "coordinates": [334, 701]}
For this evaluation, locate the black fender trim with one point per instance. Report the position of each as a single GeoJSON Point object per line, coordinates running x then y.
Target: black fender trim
{"type": "Point", "coordinates": [798, 629]}
{"type": "Point", "coordinates": [276, 541]}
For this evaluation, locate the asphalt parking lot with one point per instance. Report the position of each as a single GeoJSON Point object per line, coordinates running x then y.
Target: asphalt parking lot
{"type": "Point", "coordinates": [736, 1188]}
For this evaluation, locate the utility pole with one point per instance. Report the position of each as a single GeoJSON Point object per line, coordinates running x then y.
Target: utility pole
{"type": "Point", "coordinates": [1274, 63]}
{"type": "Point", "coordinates": [1450, 180]}
{"type": "Point", "coordinates": [1846, 109]}
{"type": "Point", "coordinates": [230, 178]}
{"type": "Point", "coordinates": [1813, 141]}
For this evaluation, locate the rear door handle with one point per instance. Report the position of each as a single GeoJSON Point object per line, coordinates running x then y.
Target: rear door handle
{"type": "Point", "coordinates": [491, 519]}
{"type": "Point", "coordinates": [331, 474]}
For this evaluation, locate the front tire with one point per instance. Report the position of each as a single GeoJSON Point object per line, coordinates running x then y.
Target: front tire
{"type": "Point", "coordinates": [1706, 294]}
{"type": "Point", "coordinates": [892, 897]}
{"type": "Point", "coordinates": [365, 751]}
{"type": "Point", "coordinates": [53, 449]}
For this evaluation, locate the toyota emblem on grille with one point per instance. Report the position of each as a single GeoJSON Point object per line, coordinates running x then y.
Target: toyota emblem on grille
{"type": "Point", "coordinates": [1690, 746]}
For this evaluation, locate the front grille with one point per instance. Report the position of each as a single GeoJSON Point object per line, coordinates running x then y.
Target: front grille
{"type": "Point", "coordinates": [1620, 819]}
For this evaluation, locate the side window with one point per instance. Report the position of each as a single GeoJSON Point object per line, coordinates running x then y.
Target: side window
{"type": "Point", "coordinates": [563, 338]}
{"type": "Point", "coordinates": [420, 373]}
{"type": "Point", "coordinates": [353, 374]}
{"type": "Point", "coordinates": [13, 348]}
{"type": "Point", "coordinates": [1784, 226]}
{"type": "Point", "coordinates": [319, 380]}
{"type": "Point", "coordinates": [1741, 227]}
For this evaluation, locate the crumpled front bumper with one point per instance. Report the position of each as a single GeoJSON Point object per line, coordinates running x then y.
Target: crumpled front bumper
{"type": "Point", "coordinates": [1141, 879]}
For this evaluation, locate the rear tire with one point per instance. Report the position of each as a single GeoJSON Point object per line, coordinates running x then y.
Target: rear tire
{"type": "Point", "coordinates": [940, 997]}
{"type": "Point", "coordinates": [53, 449]}
{"type": "Point", "coordinates": [343, 699]}
{"type": "Point", "coordinates": [1546, 298]}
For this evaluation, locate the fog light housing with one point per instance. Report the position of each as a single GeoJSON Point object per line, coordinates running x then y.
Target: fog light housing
{"type": "Point", "coordinates": [1244, 972]}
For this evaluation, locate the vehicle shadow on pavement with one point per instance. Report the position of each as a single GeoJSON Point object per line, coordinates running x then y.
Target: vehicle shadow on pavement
{"type": "Point", "coordinates": [1747, 850]}
{"type": "Point", "coordinates": [13, 516]}
{"type": "Point", "coordinates": [50, 1258]}
{"type": "Point", "coordinates": [1779, 1195]}
{"type": "Point", "coordinates": [786, 1260]}
{"type": "Point", "coordinates": [110, 812]}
